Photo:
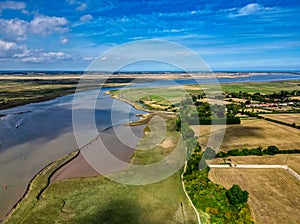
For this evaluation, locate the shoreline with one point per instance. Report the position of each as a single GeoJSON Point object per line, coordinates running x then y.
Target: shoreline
{"type": "Point", "coordinates": [46, 98]}
{"type": "Point", "coordinates": [135, 105]}
{"type": "Point", "coordinates": [69, 157]}
{"type": "Point", "coordinates": [18, 103]}
{"type": "Point", "coordinates": [144, 119]}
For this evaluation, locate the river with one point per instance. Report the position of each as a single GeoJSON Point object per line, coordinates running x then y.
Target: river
{"type": "Point", "coordinates": [34, 135]}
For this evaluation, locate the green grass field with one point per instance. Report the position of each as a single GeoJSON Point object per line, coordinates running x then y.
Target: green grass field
{"type": "Point", "coordinates": [262, 87]}
{"type": "Point", "coordinates": [157, 151]}
{"type": "Point", "coordinates": [164, 98]}
{"type": "Point", "coordinates": [99, 200]}
{"type": "Point", "coordinates": [153, 98]}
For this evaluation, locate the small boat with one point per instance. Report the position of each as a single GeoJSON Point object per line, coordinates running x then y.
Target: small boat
{"type": "Point", "coordinates": [5, 186]}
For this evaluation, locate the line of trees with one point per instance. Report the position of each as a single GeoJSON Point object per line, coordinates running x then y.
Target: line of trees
{"type": "Point", "coordinates": [223, 206]}
{"type": "Point", "coordinates": [268, 98]}
{"type": "Point", "coordinates": [198, 112]}
{"type": "Point", "coordinates": [270, 150]}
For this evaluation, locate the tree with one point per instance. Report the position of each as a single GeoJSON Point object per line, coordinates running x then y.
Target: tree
{"type": "Point", "coordinates": [178, 124]}
{"type": "Point", "coordinates": [194, 98]}
{"type": "Point", "coordinates": [221, 154]}
{"type": "Point", "coordinates": [236, 195]}
{"type": "Point", "coordinates": [209, 153]}
{"type": "Point", "coordinates": [271, 150]}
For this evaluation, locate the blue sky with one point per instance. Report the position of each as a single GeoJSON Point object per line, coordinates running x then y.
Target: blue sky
{"type": "Point", "coordinates": [228, 35]}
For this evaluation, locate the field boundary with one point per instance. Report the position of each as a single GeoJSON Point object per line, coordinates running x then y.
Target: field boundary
{"type": "Point", "coordinates": [253, 166]}
{"type": "Point", "coordinates": [292, 125]}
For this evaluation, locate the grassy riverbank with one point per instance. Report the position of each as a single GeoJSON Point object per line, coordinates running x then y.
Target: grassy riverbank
{"type": "Point", "coordinates": [35, 190]}
{"type": "Point", "coordinates": [100, 200]}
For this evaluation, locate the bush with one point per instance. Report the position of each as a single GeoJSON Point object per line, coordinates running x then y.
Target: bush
{"type": "Point", "coordinates": [236, 195]}
{"type": "Point", "coordinates": [271, 150]}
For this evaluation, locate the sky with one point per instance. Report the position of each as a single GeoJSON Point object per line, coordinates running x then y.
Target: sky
{"type": "Point", "coordinates": [228, 35]}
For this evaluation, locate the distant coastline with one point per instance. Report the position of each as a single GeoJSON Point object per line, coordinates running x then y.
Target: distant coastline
{"type": "Point", "coordinates": [61, 83]}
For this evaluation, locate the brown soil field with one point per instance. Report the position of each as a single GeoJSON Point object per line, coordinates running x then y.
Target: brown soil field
{"type": "Point", "coordinates": [252, 133]}
{"type": "Point", "coordinates": [287, 118]}
{"type": "Point", "coordinates": [274, 195]}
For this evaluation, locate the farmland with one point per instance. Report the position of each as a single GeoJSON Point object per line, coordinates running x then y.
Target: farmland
{"type": "Point", "coordinates": [261, 87]}
{"type": "Point", "coordinates": [286, 118]}
{"type": "Point", "coordinates": [292, 160]}
{"type": "Point", "coordinates": [274, 195]}
{"type": "Point", "coordinates": [252, 133]}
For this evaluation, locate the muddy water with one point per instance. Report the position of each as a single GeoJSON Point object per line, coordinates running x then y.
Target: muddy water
{"type": "Point", "coordinates": [34, 135]}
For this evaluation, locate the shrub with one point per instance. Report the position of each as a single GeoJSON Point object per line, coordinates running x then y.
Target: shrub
{"type": "Point", "coordinates": [236, 195]}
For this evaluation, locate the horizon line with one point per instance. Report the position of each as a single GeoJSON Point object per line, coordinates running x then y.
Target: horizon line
{"type": "Point", "coordinates": [151, 72]}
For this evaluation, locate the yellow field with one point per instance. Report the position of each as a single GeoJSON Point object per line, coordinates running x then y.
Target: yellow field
{"type": "Point", "coordinates": [256, 110]}
{"type": "Point", "coordinates": [252, 133]}
{"type": "Point", "coordinates": [236, 100]}
{"type": "Point", "coordinates": [287, 118]}
{"type": "Point", "coordinates": [274, 195]}
{"type": "Point", "coordinates": [292, 160]}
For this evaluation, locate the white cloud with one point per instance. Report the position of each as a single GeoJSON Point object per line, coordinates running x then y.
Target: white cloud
{"type": "Point", "coordinates": [86, 18]}
{"type": "Point", "coordinates": [89, 58]}
{"type": "Point", "coordinates": [15, 52]}
{"type": "Point", "coordinates": [64, 40]}
{"type": "Point", "coordinates": [173, 30]}
{"type": "Point", "coordinates": [45, 25]}
{"type": "Point", "coordinates": [10, 49]}
{"type": "Point", "coordinates": [38, 56]}
{"type": "Point", "coordinates": [252, 8]}
{"type": "Point", "coordinates": [17, 29]}
{"type": "Point", "coordinates": [56, 55]}
{"type": "Point", "coordinates": [4, 46]}
{"type": "Point", "coordinates": [13, 5]}
{"type": "Point", "coordinates": [14, 29]}
{"type": "Point", "coordinates": [82, 7]}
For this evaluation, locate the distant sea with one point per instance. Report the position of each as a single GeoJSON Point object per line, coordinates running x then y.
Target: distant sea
{"type": "Point", "coordinates": [266, 77]}
{"type": "Point", "coordinates": [236, 76]}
